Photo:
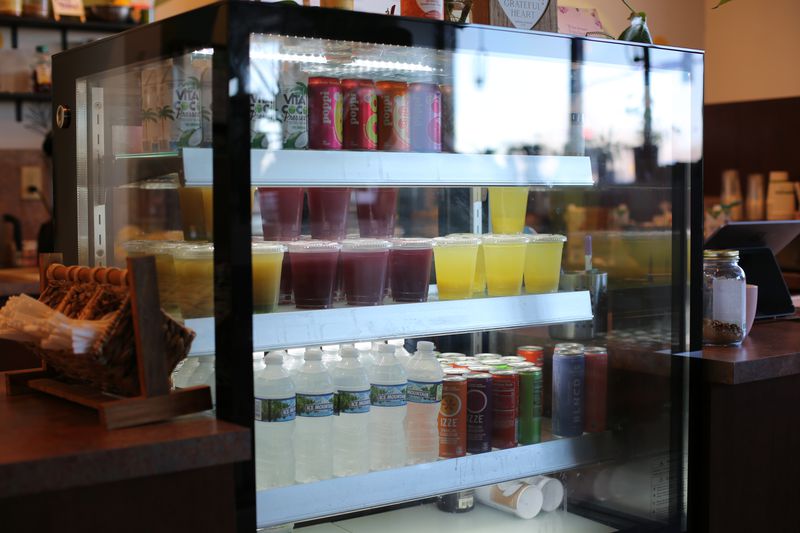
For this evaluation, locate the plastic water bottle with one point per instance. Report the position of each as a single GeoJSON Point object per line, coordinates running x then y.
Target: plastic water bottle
{"type": "Point", "coordinates": [313, 430]}
{"type": "Point", "coordinates": [181, 375]}
{"type": "Point", "coordinates": [365, 353]}
{"type": "Point", "coordinates": [387, 417]}
{"type": "Point", "coordinates": [258, 363]}
{"type": "Point", "coordinates": [424, 396]}
{"type": "Point", "coordinates": [350, 425]}
{"type": "Point", "coordinates": [294, 361]}
{"type": "Point", "coordinates": [274, 424]}
{"type": "Point", "coordinates": [330, 356]}
{"type": "Point", "coordinates": [400, 351]}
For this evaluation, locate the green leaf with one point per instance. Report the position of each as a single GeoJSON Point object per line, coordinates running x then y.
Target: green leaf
{"type": "Point", "coordinates": [637, 32]}
{"type": "Point", "coordinates": [721, 3]}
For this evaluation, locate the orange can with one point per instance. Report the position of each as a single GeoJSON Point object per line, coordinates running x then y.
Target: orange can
{"type": "Point", "coordinates": [429, 9]}
{"type": "Point", "coordinates": [393, 125]}
{"type": "Point", "coordinates": [453, 418]}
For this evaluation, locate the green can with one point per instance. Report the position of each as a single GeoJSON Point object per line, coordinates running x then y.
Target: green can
{"type": "Point", "coordinates": [530, 405]}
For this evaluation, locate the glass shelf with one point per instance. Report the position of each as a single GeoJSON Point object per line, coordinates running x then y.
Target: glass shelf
{"type": "Point", "coordinates": [356, 169]}
{"type": "Point", "coordinates": [299, 328]}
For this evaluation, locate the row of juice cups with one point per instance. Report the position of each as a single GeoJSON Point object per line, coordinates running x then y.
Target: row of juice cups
{"type": "Point", "coordinates": [464, 263]}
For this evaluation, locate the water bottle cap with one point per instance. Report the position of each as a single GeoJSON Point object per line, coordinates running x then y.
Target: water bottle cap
{"type": "Point", "coordinates": [258, 356]}
{"type": "Point", "coordinates": [313, 354]}
{"type": "Point", "coordinates": [275, 358]}
{"type": "Point", "coordinates": [425, 346]}
{"type": "Point", "coordinates": [349, 351]}
{"type": "Point", "coordinates": [386, 348]}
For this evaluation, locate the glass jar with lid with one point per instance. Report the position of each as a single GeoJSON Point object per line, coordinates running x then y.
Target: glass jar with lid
{"type": "Point", "coordinates": [724, 322]}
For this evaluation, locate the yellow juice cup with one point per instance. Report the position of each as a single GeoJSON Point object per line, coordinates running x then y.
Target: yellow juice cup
{"type": "Point", "coordinates": [194, 273]}
{"type": "Point", "coordinates": [455, 258]}
{"type": "Point", "coordinates": [504, 256]}
{"type": "Point", "coordinates": [165, 267]}
{"type": "Point", "coordinates": [543, 263]}
{"type": "Point", "coordinates": [193, 218]}
{"type": "Point", "coordinates": [267, 262]}
{"type": "Point", "coordinates": [479, 282]}
{"type": "Point", "coordinates": [507, 208]}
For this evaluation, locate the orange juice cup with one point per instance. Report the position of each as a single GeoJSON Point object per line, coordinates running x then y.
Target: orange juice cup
{"type": "Point", "coordinates": [504, 256]}
{"type": "Point", "coordinates": [267, 263]}
{"type": "Point", "coordinates": [543, 263]}
{"type": "Point", "coordinates": [194, 272]}
{"type": "Point", "coordinates": [454, 259]}
{"type": "Point", "coordinates": [507, 208]}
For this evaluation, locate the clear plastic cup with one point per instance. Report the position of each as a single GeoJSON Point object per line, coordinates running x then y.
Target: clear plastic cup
{"type": "Point", "coordinates": [267, 263]}
{"type": "Point", "coordinates": [504, 256]}
{"type": "Point", "coordinates": [327, 210]}
{"type": "Point", "coordinates": [543, 263]}
{"type": "Point", "coordinates": [455, 258]}
{"type": "Point", "coordinates": [377, 210]}
{"type": "Point", "coordinates": [313, 264]}
{"type": "Point", "coordinates": [194, 272]}
{"type": "Point", "coordinates": [163, 251]}
{"type": "Point", "coordinates": [194, 210]}
{"type": "Point", "coordinates": [507, 208]}
{"type": "Point", "coordinates": [479, 283]}
{"type": "Point", "coordinates": [364, 265]}
{"type": "Point", "coordinates": [410, 269]}
{"type": "Point", "coordinates": [281, 212]}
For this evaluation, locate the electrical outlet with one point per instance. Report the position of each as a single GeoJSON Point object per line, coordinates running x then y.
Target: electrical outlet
{"type": "Point", "coordinates": [30, 177]}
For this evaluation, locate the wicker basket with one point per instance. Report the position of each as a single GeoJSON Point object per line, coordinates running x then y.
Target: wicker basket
{"type": "Point", "coordinates": [110, 365]}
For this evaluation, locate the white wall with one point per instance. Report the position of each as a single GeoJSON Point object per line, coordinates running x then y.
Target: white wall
{"type": "Point", "coordinates": [752, 49]}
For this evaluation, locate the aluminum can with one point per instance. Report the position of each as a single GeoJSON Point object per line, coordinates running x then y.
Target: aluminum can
{"type": "Point", "coordinates": [520, 366]}
{"type": "Point", "coordinates": [450, 371]}
{"type": "Point", "coordinates": [485, 356]}
{"type": "Point", "coordinates": [568, 392]}
{"type": "Point", "coordinates": [512, 359]}
{"type": "Point", "coordinates": [360, 122]}
{"type": "Point", "coordinates": [530, 405]}
{"type": "Point", "coordinates": [596, 388]}
{"type": "Point", "coordinates": [567, 346]}
{"type": "Point", "coordinates": [324, 113]}
{"type": "Point", "coordinates": [505, 406]}
{"type": "Point", "coordinates": [479, 413]}
{"type": "Point", "coordinates": [452, 355]}
{"type": "Point", "coordinates": [479, 369]}
{"type": "Point", "coordinates": [453, 418]}
{"type": "Point", "coordinates": [425, 117]}
{"type": "Point", "coordinates": [495, 364]}
{"type": "Point", "coordinates": [534, 354]}
{"type": "Point", "coordinates": [457, 502]}
{"type": "Point", "coordinates": [393, 125]}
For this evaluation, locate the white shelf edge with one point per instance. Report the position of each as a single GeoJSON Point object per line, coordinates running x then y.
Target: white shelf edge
{"type": "Point", "coordinates": [342, 495]}
{"type": "Point", "coordinates": [299, 328]}
{"type": "Point", "coordinates": [410, 169]}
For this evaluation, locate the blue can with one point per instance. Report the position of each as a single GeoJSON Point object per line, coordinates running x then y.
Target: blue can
{"type": "Point", "coordinates": [569, 373]}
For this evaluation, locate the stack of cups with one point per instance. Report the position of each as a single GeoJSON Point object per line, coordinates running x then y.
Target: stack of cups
{"type": "Point", "coordinates": [410, 269]}
{"type": "Point", "coordinates": [364, 265]}
{"type": "Point", "coordinates": [314, 265]}
{"type": "Point", "coordinates": [281, 215]}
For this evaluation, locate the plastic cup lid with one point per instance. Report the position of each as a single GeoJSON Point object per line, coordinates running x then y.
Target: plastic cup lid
{"type": "Point", "coordinates": [546, 237]}
{"type": "Point", "coordinates": [502, 239]}
{"type": "Point", "coordinates": [453, 240]}
{"type": "Point", "coordinates": [412, 243]}
{"type": "Point", "coordinates": [268, 247]}
{"type": "Point", "coordinates": [136, 246]}
{"type": "Point", "coordinates": [195, 251]}
{"type": "Point", "coordinates": [365, 245]}
{"type": "Point", "coordinates": [313, 246]}
{"type": "Point", "coordinates": [313, 354]}
{"type": "Point", "coordinates": [349, 351]}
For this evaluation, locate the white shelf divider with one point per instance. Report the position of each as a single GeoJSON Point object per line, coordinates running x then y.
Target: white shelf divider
{"type": "Point", "coordinates": [295, 328]}
{"type": "Point", "coordinates": [397, 169]}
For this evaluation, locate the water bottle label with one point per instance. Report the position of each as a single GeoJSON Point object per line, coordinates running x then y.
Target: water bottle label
{"type": "Point", "coordinates": [388, 395]}
{"type": "Point", "coordinates": [424, 391]}
{"type": "Point", "coordinates": [351, 401]}
{"type": "Point", "coordinates": [282, 410]}
{"type": "Point", "coordinates": [315, 405]}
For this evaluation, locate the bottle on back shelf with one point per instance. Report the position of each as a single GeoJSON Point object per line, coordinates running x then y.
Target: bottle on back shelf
{"type": "Point", "coordinates": [314, 424]}
{"type": "Point", "coordinates": [387, 431]}
{"type": "Point", "coordinates": [274, 424]}
{"type": "Point", "coordinates": [42, 78]}
{"type": "Point", "coordinates": [352, 407]}
{"type": "Point", "coordinates": [424, 397]}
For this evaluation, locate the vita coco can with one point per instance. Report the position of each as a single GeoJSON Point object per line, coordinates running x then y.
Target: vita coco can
{"type": "Point", "coordinates": [425, 117]}
{"type": "Point", "coordinates": [360, 121]}
{"type": "Point", "coordinates": [568, 392]}
{"type": "Point", "coordinates": [292, 107]}
{"type": "Point", "coordinates": [324, 113]}
{"type": "Point", "coordinates": [393, 127]}
{"type": "Point", "coordinates": [596, 388]}
{"type": "Point", "coordinates": [453, 418]}
{"type": "Point", "coordinates": [479, 413]}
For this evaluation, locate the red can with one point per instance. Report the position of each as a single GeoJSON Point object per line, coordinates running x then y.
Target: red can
{"type": "Point", "coordinates": [425, 116]}
{"type": "Point", "coordinates": [324, 114]}
{"type": "Point", "coordinates": [595, 387]}
{"type": "Point", "coordinates": [360, 122]}
{"type": "Point", "coordinates": [479, 413]}
{"type": "Point", "coordinates": [453, 417]}
{"type": "Point", "coordinates": [533, 354]}
{"type": "Point", "coordinates": [393, 132]}
{"type": "Point", "coordinates": [505, 405]}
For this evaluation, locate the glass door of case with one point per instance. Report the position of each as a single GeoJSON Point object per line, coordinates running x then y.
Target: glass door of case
{"type": "Point", "coordinates": [520, 200]}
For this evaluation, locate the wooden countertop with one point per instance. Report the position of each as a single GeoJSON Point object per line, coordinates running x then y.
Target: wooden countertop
{"type": "Point", "coordinates": [771, 350]}
{"type": "Point", "coordinates": [49, 444]}
{"type": "Point", "coordinates": [19, 280]}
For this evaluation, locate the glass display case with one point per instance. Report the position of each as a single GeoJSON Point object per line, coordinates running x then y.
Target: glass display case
{"type": "Point", "coordinates": [334, 188]}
